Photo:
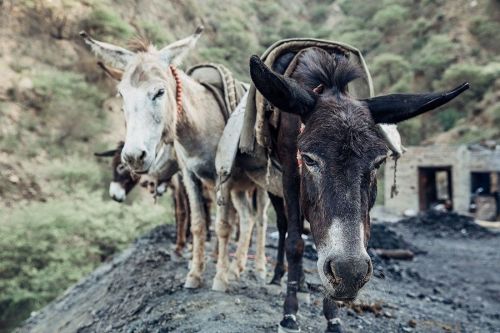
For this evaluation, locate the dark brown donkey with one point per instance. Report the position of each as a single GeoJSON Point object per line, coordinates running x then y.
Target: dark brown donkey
{"type": "Point", "coordinates": [333, 185]}
{"type": "Point", "coordinates": [124, 181]}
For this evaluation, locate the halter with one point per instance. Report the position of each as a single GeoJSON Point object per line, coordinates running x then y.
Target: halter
{"type": "Point", "coordinates": [178, 89]}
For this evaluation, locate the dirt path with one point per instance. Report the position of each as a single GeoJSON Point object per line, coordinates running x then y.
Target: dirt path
{"type": "Point", "coordinates": [455, 287]}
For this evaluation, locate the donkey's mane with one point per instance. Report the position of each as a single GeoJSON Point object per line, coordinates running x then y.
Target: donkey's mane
{"type": "Point", "coordinates": [316, 66]}
{"type": "Point", "coordinates": [139, 44]}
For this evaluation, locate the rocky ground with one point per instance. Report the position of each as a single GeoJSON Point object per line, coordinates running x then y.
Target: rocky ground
{"type": "Point", "coordinates": [452, 285]}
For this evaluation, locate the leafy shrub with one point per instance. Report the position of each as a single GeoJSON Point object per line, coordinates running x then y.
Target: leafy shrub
{"type": "Point", "coordinates": [320, 13]}
{"type": "Point", "coordinates": [155, 33]}
{"type": "Point", "coordinates": [359, 8]}
{"type": "Point", "coordinates": [46, 247]}
{"type": "Point", "coordinates": [486, 30]}
{"type": "Point", "coordinates": [448, 118]}
{"type": "Point", "coordinates": [411, 131]}
{"type": "Point", "coordinates": [391, 70]}
{"type": "Point", "coordinates": [74, 172]}
{"type": "Point", "coordinates": [70, 105]}
{"type": "Point", "coordinates": [437, 54]}
{"type": "Point", "coordinates": [106, 23]}
{"type": "Point", "coordinates": [364, 40]}
{"type": "Point", "coordinates": [480, 77]}
{"type": "Point", "coordinates": [389, 17]}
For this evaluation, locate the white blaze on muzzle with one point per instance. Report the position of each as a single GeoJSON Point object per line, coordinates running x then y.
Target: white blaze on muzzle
{"type": "Point", "coordinates": [338, 245]}
{"type": "Point", "coordinates": [116, 191]}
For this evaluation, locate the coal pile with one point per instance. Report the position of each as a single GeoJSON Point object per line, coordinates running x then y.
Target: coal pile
{"type": "Point", "coordinates": [447, 224]}
{"type": "Point", "coordinates": [383, 237]}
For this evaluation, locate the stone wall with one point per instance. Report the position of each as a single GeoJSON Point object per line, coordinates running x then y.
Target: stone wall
{"type": "Point", "coordinates": [461, 160]}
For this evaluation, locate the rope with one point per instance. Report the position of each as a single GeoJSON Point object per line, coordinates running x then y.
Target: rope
{"type": "Point", "coordinates": [394, 187]}
{"type": "Point", "coordinates": [178, 89]}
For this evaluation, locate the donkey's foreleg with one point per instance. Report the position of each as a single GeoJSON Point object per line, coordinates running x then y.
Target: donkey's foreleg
{"type": "Point", "coordinates": [262, 201]}
{"type": "Point", "coordinates": [223, 227]}
{"type": "Point", "coordinates": [244, 208]}
{"type": "Point", "coordinates": [279, 208]}
{"type": "Point", "coordinates": [294, 245]}
{"type": "Point", "coordinates": [198, 231]}
{"type": "Point", "coordinates": [330, 310]}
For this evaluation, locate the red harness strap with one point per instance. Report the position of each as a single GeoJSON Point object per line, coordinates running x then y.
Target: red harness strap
{"type": "Point", "coordinates": [178, 89]}
{"type": "Point", "coordinates": [299, 157]}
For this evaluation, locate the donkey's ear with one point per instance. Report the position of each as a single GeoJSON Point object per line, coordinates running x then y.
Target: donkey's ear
{"type": "Point", "coordinates": [392, 109]}
{"type": "Point", "coordinates": [114, 55]}
{"type": "Point", "coordinates": [115, 74]}
{"type": "Point", "coordinates": [282, 92]}
{"type": "Point", "coordinates": [107, 153]}
{"type": "Point", "coordinates": [177, 51]}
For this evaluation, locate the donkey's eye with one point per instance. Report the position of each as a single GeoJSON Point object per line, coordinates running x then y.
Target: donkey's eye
{"type": "Point", "coordinates": [309, 161]}
{"type": "Point", "coordinates": [159, 93]}
{"type": "Point", "coordinates": [378, 162]}
{"type": "Point", "coordinates": [121, 169]}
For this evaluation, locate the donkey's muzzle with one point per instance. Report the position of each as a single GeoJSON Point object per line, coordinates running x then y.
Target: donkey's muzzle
{"type": "Point", "coordinates": [135, 158]}
{"type": "Point", "coordinates": [347, 275]}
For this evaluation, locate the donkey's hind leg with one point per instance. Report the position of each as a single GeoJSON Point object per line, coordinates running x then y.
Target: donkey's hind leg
{"type": "Point", "coordinates": [262, 203]}
{"type": "Point", "coordinates": [223, 227]}
{"type": "Point", "coordinates": [244, 208]}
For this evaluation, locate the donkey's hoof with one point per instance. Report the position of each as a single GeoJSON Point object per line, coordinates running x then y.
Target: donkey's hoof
{"type": "Point", "coordinates": [289, 325]}
{"type": "Point", "coordinates": [192, 282]}
{"type": "Point", "coordinates": [334, 326]}
{"type": "Point", "coordinates": [261, 275]}
{"type": "Point", "coordinates": [234, 272]}
{"type": "Point", "coordinates": [219, 285]}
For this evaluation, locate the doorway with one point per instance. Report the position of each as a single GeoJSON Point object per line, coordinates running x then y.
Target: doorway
{"type": "Point", "coordinates": [435, 187]}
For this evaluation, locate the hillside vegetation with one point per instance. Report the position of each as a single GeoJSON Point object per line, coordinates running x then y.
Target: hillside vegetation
{"type": "Point", "coordinates": [57, 108]}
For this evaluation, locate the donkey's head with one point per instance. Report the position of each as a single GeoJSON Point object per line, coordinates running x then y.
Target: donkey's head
{"type": "Point", "coordinates": [149, 101]}
{"type": "Point", "coordinates": [123, 180]}
{"type": "Point", "coordinates": [340, 150]}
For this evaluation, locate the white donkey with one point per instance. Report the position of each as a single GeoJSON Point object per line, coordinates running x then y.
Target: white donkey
{"type": "Point", "coordinates": [162, 104]}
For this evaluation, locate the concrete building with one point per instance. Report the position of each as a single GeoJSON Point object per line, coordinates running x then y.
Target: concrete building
{"type": "Point", "coordinates": [460, 177]}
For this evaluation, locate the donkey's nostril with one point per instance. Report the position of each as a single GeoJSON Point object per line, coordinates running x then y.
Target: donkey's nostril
{"type": "Point", "coordinates": [143, 155]}
{"type": "Point", "coordinates": [330, 272]}
{"type": "Point", "coordinates": [370, 269]}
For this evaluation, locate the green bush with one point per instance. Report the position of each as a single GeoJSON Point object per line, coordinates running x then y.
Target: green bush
{"type": "Point", "coordinates": [364, 40]}
{"type": "Point", "coordinates": [320, 13]}
{"type": "Point", "coordinates": [481, 78]}
{"type": "Point", "coordinates": [393, 73]}
{"type": "Point", "coordinates": [389, 17]}
{"type": "Point", "coordinates": [155, 33]}
{"type": "Point", "coordinates": [359, 8]}
{"type": "Point", "coordinates": [74, 172]}
{"type": "Point", "coordinates": [46, 247]}
{"type": "Point", "coordinates": [71, 108]}
{"type": "Point", "coordinates": [104, 22]}
{"type": "Point", "coordinates": [437, 54]}
{"type": "Point", "coordinates": [487, 32]}
{"type": "Point", "coordinates": [447, 118]}
{"type": "Point", "coordinates": [411, 131]}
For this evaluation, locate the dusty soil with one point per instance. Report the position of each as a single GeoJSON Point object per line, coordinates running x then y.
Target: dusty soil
{"type": "Point", "coordinates": [453, 285]}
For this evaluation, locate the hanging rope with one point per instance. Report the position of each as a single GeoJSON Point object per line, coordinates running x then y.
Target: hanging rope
{"type": "Point", "coordinates": [178, 89]}
{"type": "Point", "coordinates": [394, 187]}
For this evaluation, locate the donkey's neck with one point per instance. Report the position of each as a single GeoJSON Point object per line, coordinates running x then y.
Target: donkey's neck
{"type": "Point", "coordinates": [198, 127]}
